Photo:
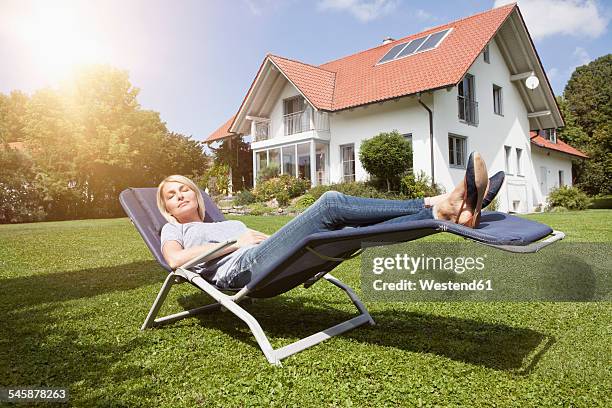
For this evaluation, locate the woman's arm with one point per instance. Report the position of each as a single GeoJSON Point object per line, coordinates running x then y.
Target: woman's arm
{"type": "Point", "coordinates": [175, 255]}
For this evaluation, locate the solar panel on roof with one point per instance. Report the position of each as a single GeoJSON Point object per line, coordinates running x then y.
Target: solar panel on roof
{"type": "Point", "coordinates": [412, 47]}
{"type": "Point", "coordinates": [392, 53]}
{"type": "Point", "coordinates": [420, 44]}
{"type": "Point", "coordinates": [433, 40]}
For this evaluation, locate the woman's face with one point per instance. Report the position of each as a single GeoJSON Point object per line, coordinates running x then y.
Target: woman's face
{"type": "Point", "coordinates": [181, 202]}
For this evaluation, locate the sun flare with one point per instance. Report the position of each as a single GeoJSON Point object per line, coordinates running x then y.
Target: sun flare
{"type": "Point", "coordinates": [59, 40]}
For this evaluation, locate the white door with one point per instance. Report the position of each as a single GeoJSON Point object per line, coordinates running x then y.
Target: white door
{"type": "Point", "coordinates": [543, 182]}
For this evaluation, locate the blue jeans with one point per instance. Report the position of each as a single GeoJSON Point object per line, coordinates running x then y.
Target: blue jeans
{"type": "Point", "coordinates": [332, 211]}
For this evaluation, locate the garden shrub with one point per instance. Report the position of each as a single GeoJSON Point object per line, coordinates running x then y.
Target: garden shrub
{"type": "Point", "coordinates": [386, 156]}
{"type": "Point", "coordinates": [244, 197]}
{"type": "Point", "coordinates": [216, 180]}
{"type": "Point", "coordinates": [282, 197]}
{"type": "Point", "coordinates": [291, 186]}
{"type": "Point", "coordinates": [418, 186]}
{"type": "Point", "coordinates": [268, 173]}
{"type": "Point", "coordinates": [494, 204]}
{"type": "Point", "coordinates": [571, 198]}
{"type": "Point", "coordinates": [304, 201]}
{"type": "Point", "coordinates": [259, 209]}
{"type": "Point", "coordinates": [354, 188]}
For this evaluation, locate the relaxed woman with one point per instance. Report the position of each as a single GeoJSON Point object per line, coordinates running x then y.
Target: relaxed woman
{"type": "Point", "coordinates": [187, 236]}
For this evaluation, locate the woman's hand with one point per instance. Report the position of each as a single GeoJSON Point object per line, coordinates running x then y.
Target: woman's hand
{"type": "Point", "coordinates": [251, 237]}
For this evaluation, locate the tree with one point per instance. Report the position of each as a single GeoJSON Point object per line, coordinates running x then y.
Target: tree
{"type": "Point", "coordinates": [589, 93]}
{"type": "Point", "coordinates": [12, 113]}
{"type": "Point", "coordinates": [587, 109]}
{"type": "Point", "coordinates": [239, 157]}
{"type": "Point", "coordinates": [21, 196]}
{"type": "Point", "coordinates": [387, 156]}
{"type": "Point", "coordinates": [90, 139]}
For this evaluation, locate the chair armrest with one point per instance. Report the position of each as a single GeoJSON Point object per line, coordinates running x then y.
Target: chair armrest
{"type": "Point", "coordinates": [530, 248]}
{"type": "Point", "coordinates": [207, 255]}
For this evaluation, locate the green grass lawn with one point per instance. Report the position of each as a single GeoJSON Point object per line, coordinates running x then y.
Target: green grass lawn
{"type": "Point", "coordinates": [74, 294]}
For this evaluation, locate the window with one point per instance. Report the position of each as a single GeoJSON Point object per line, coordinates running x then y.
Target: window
{"type": "Point", "coordinates": [457, 147]}
{"type": "Point", "coordinates": [408, 137]}
{"type": "Point", "coordinates": [321, 163]}
{"type": "Point", "coordinates": [261, 160]}
{"type": "Point", "coordinates": [497, 100]}
{"type": "Point", "coordinates": [468, 107]}
{"type": "Point", "coordinates": [296, 116]}
{"type": "Point", "coordinates": [303, 156]}
{"type": "Point", "coordinates": [519, 155]}
{"type": "Point", "coordinates": [507, 150]}
{"type": "Point", "coordinates": [486, 55]}
{"type": "Point", "coordinates": [347, 153]}
{"type": "Point", "coordinates": [549, 134]}
{"type": "Point", "coordinates": [289, 160]}
{"type": "Point", "coordinates": [561, 179]}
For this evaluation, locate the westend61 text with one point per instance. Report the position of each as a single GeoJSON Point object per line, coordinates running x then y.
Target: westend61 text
{"type": "Point", "coordinates": [432, 285]}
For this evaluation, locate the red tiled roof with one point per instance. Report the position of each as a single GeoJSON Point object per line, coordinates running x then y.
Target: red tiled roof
{"type": "Point", "coordinates": [560, 146]}
{"type": "Point", "coordinates": [360, 81]}
{"type": "Point", "coordinates": [356, 79]}
{"type": "Point", "coordinates": [222, 132]}
{"type": "Point", "coordinates": [316, 84]}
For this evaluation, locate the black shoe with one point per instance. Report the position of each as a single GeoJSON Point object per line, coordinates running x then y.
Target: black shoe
{"type": "Point", "coordinates": [476, 183]}
{"type": "Point", "coordinates": [495, 183]}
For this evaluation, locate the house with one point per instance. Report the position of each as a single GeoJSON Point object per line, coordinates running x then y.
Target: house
{"type": "Point", "coordinates": [473, 84]}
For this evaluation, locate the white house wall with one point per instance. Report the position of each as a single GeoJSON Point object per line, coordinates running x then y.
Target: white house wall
{"type": "Point", "coordinates": [276, 116]}
{"type": "Point", "coordinates": [550, 162]}
{"type": "Point", "coordinates": [492, 133]}
{"type": "Point", "coordinates": [353, 126]}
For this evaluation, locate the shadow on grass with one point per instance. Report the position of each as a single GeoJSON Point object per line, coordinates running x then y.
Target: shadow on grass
{"type": "Point", "coordinates": [490, 345]}
{"type": "Point", "coordinates": [58, 287]}
{"type": "Point", "coordinates": [41, 347]}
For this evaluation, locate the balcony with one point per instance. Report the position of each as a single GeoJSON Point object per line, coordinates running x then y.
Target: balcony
{"type": "Point", "coordinates": [304, 121]}
{"type": "Point", "coordinates": [468, 110]}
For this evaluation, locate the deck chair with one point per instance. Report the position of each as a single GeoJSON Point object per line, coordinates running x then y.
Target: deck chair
{"type": "Point", "coordinates": [310, 260]}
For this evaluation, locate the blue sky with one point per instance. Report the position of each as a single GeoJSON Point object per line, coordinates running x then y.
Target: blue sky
{"type": "Point", "coordinates": [194, 60]}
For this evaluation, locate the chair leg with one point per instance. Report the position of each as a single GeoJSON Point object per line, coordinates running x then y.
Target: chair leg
{"type": "Point", "coordinates": [151, 320]}
{"type": "Point", "coordinates": [274, 356]}
{"type": "Point", "coordinates": [159, 301]}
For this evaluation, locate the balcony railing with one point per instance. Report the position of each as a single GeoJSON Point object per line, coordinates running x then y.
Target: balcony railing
{"type": "Point", "coordinates": [301, 121]}
{"type": "Point", "coordinates": [297, 122]}
{"type": "Point", "coordinates": [468, 110]}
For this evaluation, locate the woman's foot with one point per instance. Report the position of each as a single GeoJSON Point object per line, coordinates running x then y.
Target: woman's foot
{"type": "Point", "coordinates": [464, 203]}
{"type": "Point", "coordinates": [495, 183]}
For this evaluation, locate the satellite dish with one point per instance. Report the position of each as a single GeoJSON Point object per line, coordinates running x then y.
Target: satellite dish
{"type": "Point", "coordinates": [532, 82]}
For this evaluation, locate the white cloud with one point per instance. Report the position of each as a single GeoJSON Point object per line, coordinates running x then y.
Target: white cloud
{"type": "Point", "coordinates": [253, 7]}
{"type": "Point", "coordinates": [581, 56]}
{"type": "Point", "coordinates": [423, 15]}
{"type": "Point", "coordinates": [363, 10]}
{"type": "Point", "coordinates": [552, 74]}
{"type": "Point", "coordinates": [570, 17]}
{"type": "Point", "coordinates": [261, 7]}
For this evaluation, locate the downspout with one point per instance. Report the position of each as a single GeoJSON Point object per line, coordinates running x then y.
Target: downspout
{"type": "Point", "coordinates": [431, 138]}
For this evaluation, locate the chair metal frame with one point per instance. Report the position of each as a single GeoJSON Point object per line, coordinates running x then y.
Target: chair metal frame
{"type": "Point", "coordinates": [231, 304]}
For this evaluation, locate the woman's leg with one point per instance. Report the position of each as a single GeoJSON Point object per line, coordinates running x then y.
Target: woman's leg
{"type": "Point", "coordinates": [333, 210]}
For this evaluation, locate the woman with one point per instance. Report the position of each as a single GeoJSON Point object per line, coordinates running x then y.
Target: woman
{"type": "Point", "coordinates": [187, 236]}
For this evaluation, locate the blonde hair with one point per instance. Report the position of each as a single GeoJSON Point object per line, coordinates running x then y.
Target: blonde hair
{"type": "Point", "coordinates": [161, 202]}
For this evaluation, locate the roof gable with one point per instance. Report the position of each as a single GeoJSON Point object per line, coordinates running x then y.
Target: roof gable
{"type": "Point", "coordinates": [316, 84]}
{"type": "Point", "coordinates": [560, 146]}
{"type": "Point", "coordinates": [359, 79]}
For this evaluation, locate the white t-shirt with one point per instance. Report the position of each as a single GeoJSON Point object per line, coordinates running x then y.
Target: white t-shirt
{"type": "Point", "coordinates": [198, 233]}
